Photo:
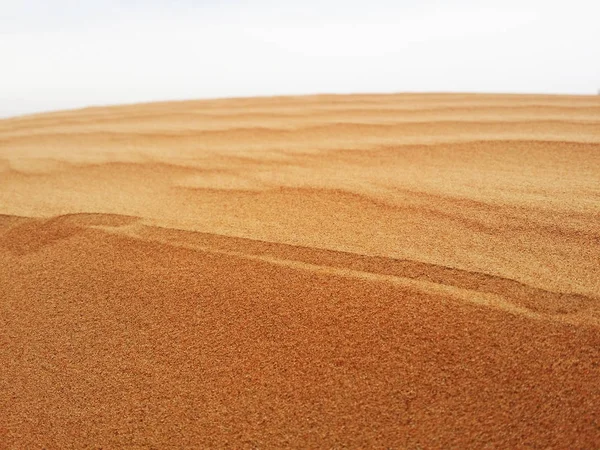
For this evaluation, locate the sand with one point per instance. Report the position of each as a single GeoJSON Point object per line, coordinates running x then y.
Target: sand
{"type": "Point", "coordinates": [366, 271]}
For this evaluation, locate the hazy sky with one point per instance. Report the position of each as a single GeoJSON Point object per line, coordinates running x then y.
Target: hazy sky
{"type": "Point", "coordinates": [57, 54]}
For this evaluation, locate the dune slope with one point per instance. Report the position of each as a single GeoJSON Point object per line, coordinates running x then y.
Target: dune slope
{"type": "Point", "coordinates": [395, 271]}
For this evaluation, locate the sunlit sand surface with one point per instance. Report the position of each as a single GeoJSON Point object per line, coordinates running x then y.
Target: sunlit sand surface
{"type": "Point", "coordinates": [400, 271]}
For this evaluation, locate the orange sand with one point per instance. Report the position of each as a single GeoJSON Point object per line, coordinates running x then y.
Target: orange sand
{"type": "Point", "coordinates": [401, 271]}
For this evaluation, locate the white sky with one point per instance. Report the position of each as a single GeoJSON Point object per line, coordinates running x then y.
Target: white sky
{"type": "Point", "coordinates": [57, 54]}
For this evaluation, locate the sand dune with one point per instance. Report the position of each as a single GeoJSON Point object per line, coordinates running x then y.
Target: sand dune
{"type": "Point", "coordinates": [400, 271]}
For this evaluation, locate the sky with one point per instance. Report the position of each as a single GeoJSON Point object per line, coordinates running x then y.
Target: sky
{"type": "Point", "coordinates": [61, 54]}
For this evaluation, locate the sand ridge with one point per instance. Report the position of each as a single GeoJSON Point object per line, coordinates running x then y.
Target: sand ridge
{"type": "Point", "coordinates": [330, 271]}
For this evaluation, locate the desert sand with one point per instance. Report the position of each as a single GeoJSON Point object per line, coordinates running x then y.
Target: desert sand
{"type": "Point", "coordinates": [365, 271]}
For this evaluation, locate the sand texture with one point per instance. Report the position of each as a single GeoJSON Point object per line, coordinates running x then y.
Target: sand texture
{"type": "Point", "coordinates": [367, 271]}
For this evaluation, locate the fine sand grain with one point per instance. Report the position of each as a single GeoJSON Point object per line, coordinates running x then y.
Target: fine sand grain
{"type": "Point", "coordinates": [366, 271]}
